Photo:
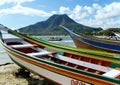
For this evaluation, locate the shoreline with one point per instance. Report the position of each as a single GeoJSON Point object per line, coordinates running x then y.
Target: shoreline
{"type": "Point", "coordinates": [7, 76]}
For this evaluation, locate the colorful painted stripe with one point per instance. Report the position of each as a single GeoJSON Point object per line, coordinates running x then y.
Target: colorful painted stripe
{"type": "Point", "coordinates": [69, 50]}
{"type": "Point", "coordinates": [79, 49]}
{"type": "Point", "coordinates": [78, 52]}
{"type": "Point", "coordinates": [71, 74]}
{"type": "Point", "coordinates": [102, 45]}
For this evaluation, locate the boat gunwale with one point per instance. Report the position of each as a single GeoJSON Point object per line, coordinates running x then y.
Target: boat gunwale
{"type": "Point", "coordinates": [76, 50]}
{"type": "Point", "coordinates": [58, 45]}
{"type": "Point", "coordinates": [68, 49]}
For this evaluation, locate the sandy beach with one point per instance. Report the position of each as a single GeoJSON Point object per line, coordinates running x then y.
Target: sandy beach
{"type": "Point", "coordinates": [8, 77]}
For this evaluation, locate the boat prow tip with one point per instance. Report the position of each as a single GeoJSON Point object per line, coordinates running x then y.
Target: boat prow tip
{"type": "Point", "coordinates": [4, 28]}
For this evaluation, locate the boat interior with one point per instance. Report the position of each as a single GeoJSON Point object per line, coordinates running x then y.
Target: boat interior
{"type": "Point", "coordinates": [74, 61]}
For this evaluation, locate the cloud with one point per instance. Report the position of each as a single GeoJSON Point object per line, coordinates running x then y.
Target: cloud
{"type": "Point", "coordinates": [19, 9]}
{"type": "Point", "coordinates": [90, 10]}
{"type": "Point", "coordinates": [95, 15]}
{"type": "Point", "coordinates": [64, 10]}
{"type": "Point", "coordinates": [78, 13]}
{"type": "Point", "coordinates": [109, 11]}
{"type": "Point", "coordinates": [96, 6]}
{"type": "Point", "coordinates": [2, 2]}
{"type": "Point", "coordinates": [106, 23]}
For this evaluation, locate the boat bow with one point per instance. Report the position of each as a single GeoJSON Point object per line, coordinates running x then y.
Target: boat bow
{"type": "Point", "coordinates": [91, 42]}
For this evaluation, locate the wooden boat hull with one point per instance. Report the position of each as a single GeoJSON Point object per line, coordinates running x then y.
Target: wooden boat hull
{"type": "Point", "coordinates": [62, 73]}
{"type": "Point", "coordinates": [94, 43]}
{"type": "Point", "coordinates": [41, 69]}
{"type": "Point", "coordinates": [81, 44]}
{"type": "Point", "coordinates": [55, 74]}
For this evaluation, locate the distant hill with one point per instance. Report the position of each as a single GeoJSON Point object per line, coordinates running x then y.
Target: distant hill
{"type": "Point", "coordinates": [109, 31]}
{"type": "Point", "coordinates": [51, 26]}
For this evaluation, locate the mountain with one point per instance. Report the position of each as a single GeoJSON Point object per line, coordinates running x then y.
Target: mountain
{"type": "Point", "coordinates": [51, 26]}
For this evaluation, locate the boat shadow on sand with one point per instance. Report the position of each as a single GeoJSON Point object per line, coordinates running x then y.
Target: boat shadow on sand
{"type": "Point", "coordinates": [12, 74]}
{"type": "Point", "coordinates": [31, 78]}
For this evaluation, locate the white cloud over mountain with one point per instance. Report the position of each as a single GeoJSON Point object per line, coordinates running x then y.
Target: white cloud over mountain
{"type": "Point", "coordinates": [96, 15]}
{"type": "Point", "coordinates": [78, 13]}
{"type": "Point", "coordinates": [64, 10]}
{"type": "Point", "coordinates": [109, 11]}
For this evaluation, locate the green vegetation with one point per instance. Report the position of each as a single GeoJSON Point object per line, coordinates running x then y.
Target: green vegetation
{"type": "Point", "coordinates": [109, 31]}
{"type": "Point", "coordinates": [51, 26]}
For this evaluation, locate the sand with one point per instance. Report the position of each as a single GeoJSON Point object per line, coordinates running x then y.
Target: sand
{"type": "Point", "coordinates": [8, 77]}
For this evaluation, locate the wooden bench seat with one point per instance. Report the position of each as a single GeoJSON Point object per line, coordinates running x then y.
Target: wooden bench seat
{"type": "Point", "coordinates": [43, 53]}
{"type": "Point", "coordinates": [83, 63]}
{"type": "Point", "coordinates": [112, 73]}
{"type": "Point", "coordinates": [23, 46]}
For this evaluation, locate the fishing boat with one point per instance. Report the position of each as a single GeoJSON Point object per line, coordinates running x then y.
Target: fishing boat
{"type": "Point", "coordinates": [54, 39]}
{"type": "Point", "coordinates": [91, 42]}
{"type": "Point", "coordinates": [63, 65]}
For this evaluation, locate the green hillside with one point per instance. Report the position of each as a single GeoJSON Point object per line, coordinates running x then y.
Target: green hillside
{"type": "Point", "coordinates": [51, 26]}
{"type": "Point", "coordinates": [109, 31]}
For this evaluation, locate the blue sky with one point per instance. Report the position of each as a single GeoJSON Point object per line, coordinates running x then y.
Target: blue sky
{"type": "Point", "coordinates": [95, 13]}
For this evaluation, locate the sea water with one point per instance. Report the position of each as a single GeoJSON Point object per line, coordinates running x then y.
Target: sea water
{"type": "Point", "coordinates": [4, 58]}
{"type": "Point", "coordinates": [66, 40]}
